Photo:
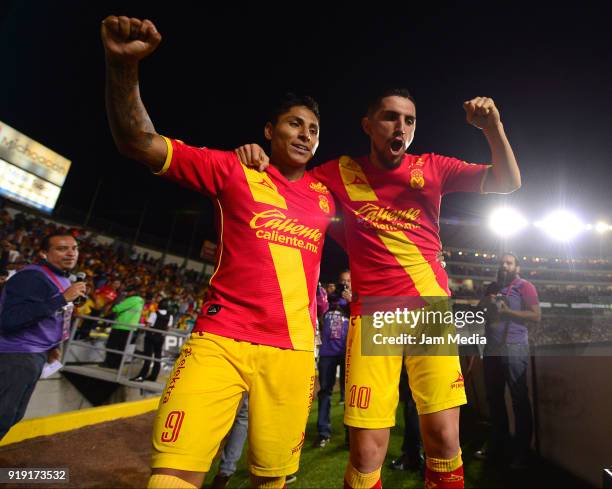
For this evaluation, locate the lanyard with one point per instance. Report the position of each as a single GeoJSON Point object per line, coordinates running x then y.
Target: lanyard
{"type": "Point", "coordinates": [53, 278]}
{"type": "Point", "coordinates": [511, 286]}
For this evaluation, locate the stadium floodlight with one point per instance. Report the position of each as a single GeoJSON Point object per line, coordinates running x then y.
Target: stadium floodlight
{"type": "Point", "coordinates": [562, 225]}
{"type": "Point", "coordinates": [601, 227]}
{"type": "Point", "coordinates": [506, 222]}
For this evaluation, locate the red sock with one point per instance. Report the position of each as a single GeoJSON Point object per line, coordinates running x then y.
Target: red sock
{"type": "Point", "coordinates": [444, 480]}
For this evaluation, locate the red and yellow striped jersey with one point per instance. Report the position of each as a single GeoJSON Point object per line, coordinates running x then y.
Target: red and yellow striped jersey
{"type": "Point", "coordinates": [271, 234]}
{"type": "Point", "coordinates": [391, 220]}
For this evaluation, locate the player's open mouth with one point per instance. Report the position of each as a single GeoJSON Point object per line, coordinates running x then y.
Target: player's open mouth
{"type": "Point", "coordinates": [301, 148]}
{"type": "Point", "coordinates": [397, 145]}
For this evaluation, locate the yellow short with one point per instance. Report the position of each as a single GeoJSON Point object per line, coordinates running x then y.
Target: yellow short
{"type": "Point", "coordinates": [199, 404]}
{"type": "Point", "coordinates": [372, 383]}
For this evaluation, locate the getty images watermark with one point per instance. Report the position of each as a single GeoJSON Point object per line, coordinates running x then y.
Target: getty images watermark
{"type": "Point", "coordinates": [441, 326]}
{"type": "Point", "coordinates": [418, 326]}
{"type": "Point", "coordinates": [423, 317]}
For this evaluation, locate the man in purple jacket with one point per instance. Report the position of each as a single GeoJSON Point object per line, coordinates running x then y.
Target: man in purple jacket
{"type": "Point", "coordinates": [35, 311]}
{"type": "Point", "coordinates": [334, 329]}
{"type": "Point", "coordinates": [513, 308]}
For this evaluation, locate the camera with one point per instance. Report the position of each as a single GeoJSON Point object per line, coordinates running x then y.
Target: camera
{"type": "Point", "coordinates": [499, 299]}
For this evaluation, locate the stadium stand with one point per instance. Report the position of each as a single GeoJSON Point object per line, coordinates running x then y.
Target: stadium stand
{"type": "Point", "coordinates": [572, 346]}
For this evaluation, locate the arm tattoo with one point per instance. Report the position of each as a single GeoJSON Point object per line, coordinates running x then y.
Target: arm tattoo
{"type": "Point", "coordinates": [130, 124]}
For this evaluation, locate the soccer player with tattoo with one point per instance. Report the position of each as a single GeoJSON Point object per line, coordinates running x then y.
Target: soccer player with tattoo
{"type": "Point", "coordinates": [390, 202]}
{"type": "Point", "coordinates": [256, 333]}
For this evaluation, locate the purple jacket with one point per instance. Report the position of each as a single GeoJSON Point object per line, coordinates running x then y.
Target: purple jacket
{"type": "Point", "coordinates": [334, 328]}
{"type": "Point", "coordinates": [32, 310]}
{"type": "Point", "coordinates": [520, 296]}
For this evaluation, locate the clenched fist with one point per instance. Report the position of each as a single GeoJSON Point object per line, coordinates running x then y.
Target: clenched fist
{"type": "Point", "coordinates": [127, 39]}
{"type": "Point", "coordinates": [481, 112]}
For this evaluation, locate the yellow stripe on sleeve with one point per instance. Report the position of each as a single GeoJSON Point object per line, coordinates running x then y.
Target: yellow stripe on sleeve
{"type": "Point", "coordinates": [220, 256]}
{"type": "Point", "coordinates": [168, 157]}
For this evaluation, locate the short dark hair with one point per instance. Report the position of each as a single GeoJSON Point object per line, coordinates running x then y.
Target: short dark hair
{"type": "Point", "coordinates": [517, 262]}
{"type": "Point", "coordinates": [376, 98]}
{"type": "Point", "coordinates": [46, 241]}
{"type": "Point", "coordinates": [289, 100]}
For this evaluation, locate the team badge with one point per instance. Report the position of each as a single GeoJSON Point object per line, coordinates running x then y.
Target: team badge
{"type": "Point", "coordinates": [324, 204]}
{"type": "Point", "coordinates": [417, 181]}
{"type": "Point", "coordinates": [318, 187]}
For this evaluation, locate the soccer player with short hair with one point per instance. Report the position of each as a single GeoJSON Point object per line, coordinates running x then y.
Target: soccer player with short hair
{"type": "Point", "coordinates": [390, 202]}
{"type": "Point", "coordinates": [256, 333]}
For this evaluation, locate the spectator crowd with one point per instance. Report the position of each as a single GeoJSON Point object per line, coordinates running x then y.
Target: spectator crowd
{"type": "Point", "coordinates": [111, 270]}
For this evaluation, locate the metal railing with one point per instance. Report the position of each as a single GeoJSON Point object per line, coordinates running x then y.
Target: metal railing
{"type": "Point", "coordinates": [74, 353]}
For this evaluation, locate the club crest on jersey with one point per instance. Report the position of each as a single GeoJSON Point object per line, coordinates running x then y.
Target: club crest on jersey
{"type": "Point", "coordinates": [324, 204]}
{"type": "Point", "coordinates": [417, 180]}
{"type": "Point", "coordinates": [318, 187]}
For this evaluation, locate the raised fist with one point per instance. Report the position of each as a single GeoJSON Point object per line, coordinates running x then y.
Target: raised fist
{"type": "Point", "coordinates": [481, 112]}
{"type": "Point", "coordinates": [127, 39]}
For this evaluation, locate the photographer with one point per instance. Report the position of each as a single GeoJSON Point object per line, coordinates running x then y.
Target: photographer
{"type": "Point", "coordinates": [35, 312]}
{"type": "Point", "coordinates": [512, 304]}
{"type": "Point", "coordinates": [334, 330]}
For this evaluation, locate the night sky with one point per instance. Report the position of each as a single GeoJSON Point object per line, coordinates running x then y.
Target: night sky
{"type": "Point", "coordinates": [547, 67]}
